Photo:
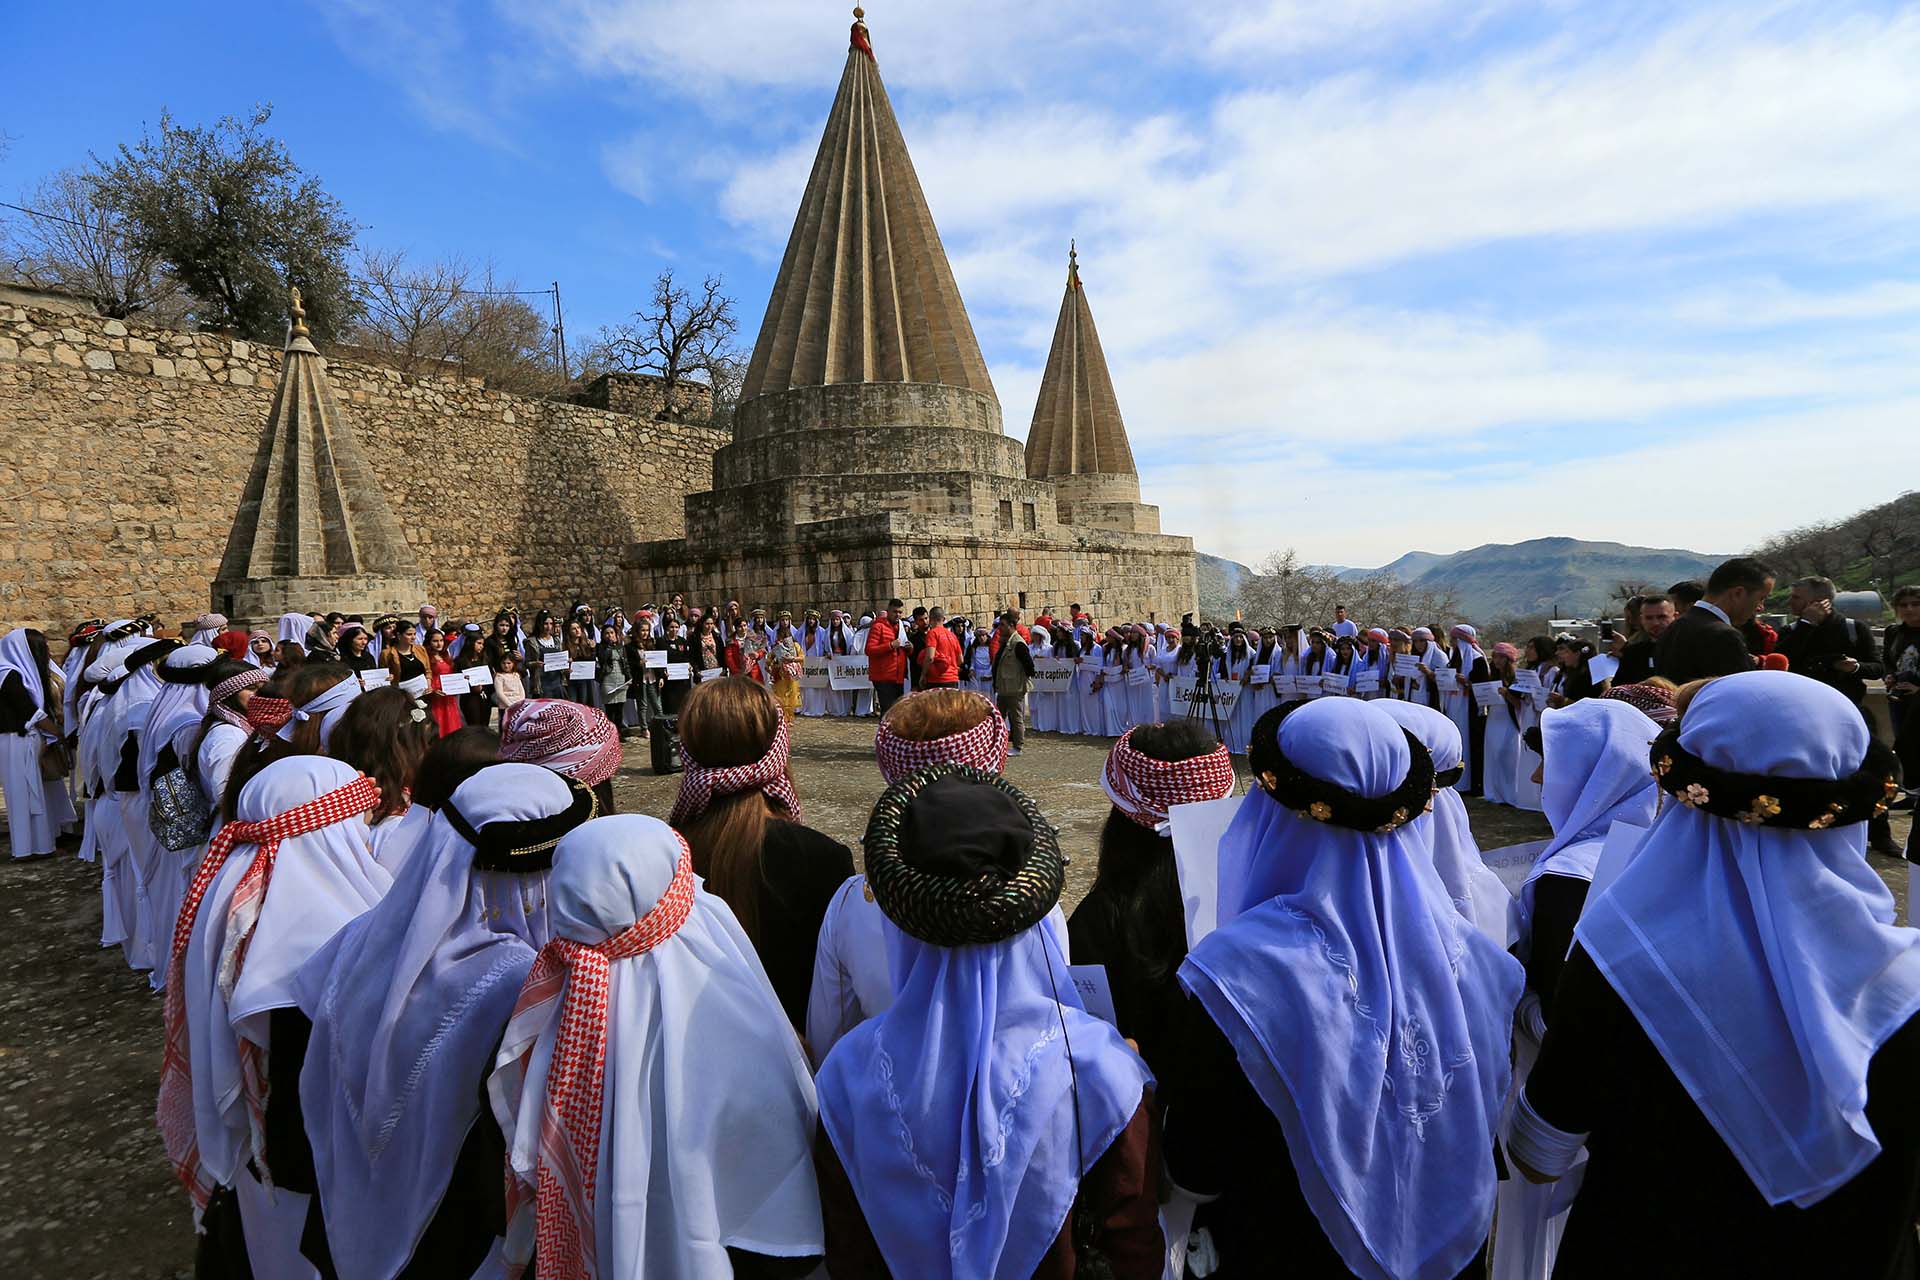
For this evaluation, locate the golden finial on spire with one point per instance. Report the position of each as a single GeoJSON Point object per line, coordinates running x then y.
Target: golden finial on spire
{"type": "Point", "coordinates": [299, 312]}
{"type": "Point", "coordinates": [857, 39]}
{"type": "Point", "coordinates": [1073, 265]}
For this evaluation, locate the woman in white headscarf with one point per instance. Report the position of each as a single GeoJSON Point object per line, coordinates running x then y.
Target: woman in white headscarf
{"type": "Point", "coordinates": [122, 719]}
{"type": "Point", "coordinates": [37, 807]}
{"type": "Point", "coordinates": [292, 867]}
{"type": "Point", "coordinates": [95, 762]}
{"type": "Point", "coordinates": [1595, 774]}
{"type": "Point", "coordinates": [659, 1113]}
{"type": "Point", "coordinates": [1735, 1043]}
{"type": "Point", "coordinates": [1347, 1046]}
{"type": "Point", "coordinates": [407, 1005]}
{"type": "Point", "coordinates": [166, 743]}
{"type": "Point", "coordinates": [1474, 886]}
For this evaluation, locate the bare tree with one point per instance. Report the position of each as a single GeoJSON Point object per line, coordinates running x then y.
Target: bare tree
{"type": "Point", "coordinates": [1283, 590]}
{"type": "Point", "coordinates": [447, 311]}
{"type": "Point", "coordinates": [684, 337]}
{"type": "Point", "coordinates": [83, 248]}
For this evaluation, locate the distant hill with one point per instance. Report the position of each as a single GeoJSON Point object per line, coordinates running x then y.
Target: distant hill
{"type": "Point", "coordinates": [1878, 548]}
{"type": "Point", "coordinates": [1219, 581]}
{"type": "Point", "coordinates": [1561, 577]}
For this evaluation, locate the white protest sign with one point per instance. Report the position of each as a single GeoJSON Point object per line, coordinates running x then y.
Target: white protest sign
{"type": "Point", "coordinates": [376, 678]}
{"type": "Point", "coordinates": [656, 659]}
{"type": "Point", "coordinates": [1446, 679]}
{"type": "Point", "coordinates": [1526, 680]}
{"type": "Point", "coordinates": [1367, 682]}
{"type": "Point", "coordinates": [415, 686]}
{"type": "Point", "coordinates": [478, 677]}
{"type": "Point", "coordinates": [1260, 673]}
{"type": "Point", "coordinates": [711, 673]}
{"type": "Point", "coordinates": [1137, 676]}
{"type": "Point", "coordinates": [555, 662]}
{"type": "Point", "coordinates": [1286, 686]}
{"type": "Point", "coordinates": [1052, 675]}
{"type": "Point", "coordinates": [847, 674]}
{"type": "Point", "coordinates": [679, 671]}
{"type": "Point", "coordinates": [453, 683]}
{"type": "Point", "coordinates": [1333, 683]}
{"type": "Point", "coordinates": [1406, 666]}
{"type": "Point", "coordinates": [1096, 994]}
{"type": "Point", "coordinates": [582, 670]}
{"type": "Point", "coordinates": [815, 673]}
{"type": "Point", "coordinates": [1225, 695]}
{"type": "Point", "coordinates": [1601, 667]}
{"type": "Point", "coordinates": [1487, 693]}
{"type": "Point", "coordinates": [1197, 829]}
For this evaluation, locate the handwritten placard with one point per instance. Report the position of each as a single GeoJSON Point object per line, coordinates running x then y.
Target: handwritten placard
{"type": "Point", "coordinates": [478, 677]}
{"type": "Point", "coordinates": [1367, 682]}
{"type": "Point", "coordinates": [1260, 673]}
{"type": "Point", "coordinates": [656, 659]}
{"type": "Point", "coordinates": [1446, 679]}
{"type": "Point", "coordinates": [1139, 676]}
{"type": "Point", "coordinates": [555, 662]}
{"type": "Point", "coordinates": [848, 674]}
{"type": "Point", "coordinates": [679, 671]}
{"type": "Point", "coordinates": [376, 678]}
{"type": "Point", "coordinates": [1333, 683]}
{"type": "Point", "coordinates": [1526, 680]}
{"type": "Point", "coordinates": [1406, 666]}
{"type": "Point", "coordinates": [415, 686]}
{"type": "Point", "coordinates": [453, 683]}
{"type": "Point", "coordinates": [1096, 994]}
{"type": "Point", "coordinates": [1287, 686]}
{"type": "Point", "coordinates": [582, 670]}
{"type": "Point", "coordinates": [1487, 693]}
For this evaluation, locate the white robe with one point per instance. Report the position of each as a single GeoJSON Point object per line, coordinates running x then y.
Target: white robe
{"type": "Point", "coordinates": [37, 808]}
{"type": "Point", "coordinates": [1141, 703]}
{"type": "Point", "coordinates": [813, 702]}
{"type": "Point", "coordinates": [1043, 709]}
{"type": "Point", "coordinates": [1499, 771]}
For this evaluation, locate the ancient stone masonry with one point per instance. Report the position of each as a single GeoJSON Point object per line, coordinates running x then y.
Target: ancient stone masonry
{"type": "Point", "coordinates": [129, 447]}
{"type": "Point", "coordinates": [867, 458]}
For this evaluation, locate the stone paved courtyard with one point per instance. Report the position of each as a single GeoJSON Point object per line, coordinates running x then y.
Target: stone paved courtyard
{"type": "Point", "coordinates": [86, 1189]}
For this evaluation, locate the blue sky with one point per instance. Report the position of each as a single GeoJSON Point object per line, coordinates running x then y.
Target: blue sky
{"type": "Point", "coordinates": [1372, 277]}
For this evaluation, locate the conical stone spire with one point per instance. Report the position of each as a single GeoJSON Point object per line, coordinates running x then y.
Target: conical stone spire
{"type": "Point", "coordinates": [1076, 421]}
{"type": "Point", "coordinates": [864, 293]}
{"type": "Point", "coordinates": [312, 508]}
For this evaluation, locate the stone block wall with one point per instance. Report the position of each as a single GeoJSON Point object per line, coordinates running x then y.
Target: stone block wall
{"type": "Point", "coordinates": [127, 448]}
{"type": "Point", "coordinates": [645, 396]}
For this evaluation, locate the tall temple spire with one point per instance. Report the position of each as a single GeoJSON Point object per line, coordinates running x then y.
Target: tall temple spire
{"type": "Point", "coordinates": [1076, 421]}
{"type": "Point", "coordinates": [864, 292]}
{"type": "Point", "coordinates": [312, 507]}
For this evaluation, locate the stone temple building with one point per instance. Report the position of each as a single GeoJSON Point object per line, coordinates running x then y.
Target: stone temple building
{"type": "Point", "coordinates": [868, 459]}
{"type": "Point", "coordinates": [314, 531]}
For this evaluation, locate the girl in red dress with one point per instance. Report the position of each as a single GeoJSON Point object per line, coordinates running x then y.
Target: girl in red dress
{"type": "Point", "coordinates": [444, 708]}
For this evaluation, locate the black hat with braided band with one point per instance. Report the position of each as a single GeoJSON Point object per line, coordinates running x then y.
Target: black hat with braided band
{"type": "Point", "coordinates": [525, 845]}
{"type": "Point", "coordinates": [958, 856]}
{"type": "Point", "coordinates": [1328, 802]}
{"type": "Point", "coordinates": [1799, 804]}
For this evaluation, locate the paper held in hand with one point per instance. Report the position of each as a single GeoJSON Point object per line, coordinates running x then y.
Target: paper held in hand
{"type": "Point", "coordinates": [1260, 673]}
{"type": "Point", "coordinates": [848, 673]}
{"type": "Point", "coordinates": [1139, 676]}
{"type": "Point", "coordinates": [478, 677]}
{"type": "Point", "coordinates": [711, 673]}
{"type": "Point", "coordinates": [1197, 829]}
{"type": "Point", "coordinates": [1367, 682]}
{"type": "Point", "coordinates": [1601, 667]}
{"type": "Point", "coordinates": [656, 659]}
{"type": "Point", "coordinates": [582, 671]}
{"type": "Point", "coordinates": [815, 673]}
{"type": "Point", "coordinates": [1333, 683]}
{"type": "Point", "coordinates": [679, 671]}
{"type": "Point", "coordinates": [1446, 679]}
{"type": "Point", "coordinates": [555, 662]}
{"type": "Point", "coordinates": [1406, 666]}
{"type": "Point", "coordinates": [377, 678]}
{"type": "Point", "coordinates": [1526, 680]}
{"type": "Point", "coordinates": [1052, 675]}
{"type": "Point", "coordinates": [453, 684]}
{"type": "Point", "coordinates": [1487, 693]}
{"type": "Point", "coordinates": [415, 686]}
{"type": "Point", "coordinates": [1096, 994]}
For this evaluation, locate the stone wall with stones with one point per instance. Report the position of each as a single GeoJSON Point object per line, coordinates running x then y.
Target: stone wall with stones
{"type": "Point", "coordinates": [127, 448]}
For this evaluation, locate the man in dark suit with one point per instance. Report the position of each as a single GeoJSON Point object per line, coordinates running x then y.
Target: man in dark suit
{"type": "Point", "coordinates": [1638, 656]}
{"type": "Point", "coordinates": [1821, 645]}
{"type": "Point", "coordinates": [1705, 640]}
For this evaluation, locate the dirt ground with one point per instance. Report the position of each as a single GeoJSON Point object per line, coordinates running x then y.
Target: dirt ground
{"type": "Point", "coordinates": [85, 1188]}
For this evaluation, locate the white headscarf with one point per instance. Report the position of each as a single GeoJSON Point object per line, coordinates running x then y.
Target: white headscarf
{"type": "Point", "coordinates": [176, 704]}
{"type": "Point", "coordinates": [1476, 889]}
{"type": "Point", "coordinates": [15, 655]}
{"type": "Point", "coordinates": [1763, 961]}
{"type": "Point", "coordinates": [332, 698]}
{"type": "Point", "coordinates": [407, 1005]}
{"type": "Point", "coordinates": [319, 881]}
{"type": "Point", "coordinates": [125, 711]}
{"type": "Point", "coordinates": [706, 1136]}
{"type": "Point", "coordinates": [294, 627]}
{"type": "Point", "coordinates": [1596, 773]}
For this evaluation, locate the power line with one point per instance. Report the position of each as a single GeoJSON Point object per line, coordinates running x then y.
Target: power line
{"type": "Point", "coordinates": [370, 284]}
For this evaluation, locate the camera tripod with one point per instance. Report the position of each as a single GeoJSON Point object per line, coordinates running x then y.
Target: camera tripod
{"type": "Point", "coordinates": [1202, 706]}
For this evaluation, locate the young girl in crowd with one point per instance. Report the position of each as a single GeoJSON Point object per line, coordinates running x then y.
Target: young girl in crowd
{"type": "Point", "coordinates": [508, 689]}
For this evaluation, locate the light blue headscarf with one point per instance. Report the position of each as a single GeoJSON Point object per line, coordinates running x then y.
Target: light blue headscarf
{"type": "Point", "coordinates": [1595, 773]}
{"type": "Point", "coordinates": [967, 1113]}
{"type": "Point", "coordinates": [1368, 1014]}
{"type": "Point", "coordinates": [1763, 962]}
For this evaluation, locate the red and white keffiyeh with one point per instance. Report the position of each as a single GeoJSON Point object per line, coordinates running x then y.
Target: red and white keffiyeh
{"type": "Point", "coordinates": [566, 737]}
{"type": "Point", "coordinates": [768, 775]}
{"type": "Point", "coordinates": [984, 747]}
{"type": "Point", "coordinates": [175, 1111]}
{"type": "Point", "coordinates": [267, 714]}
{"type": "Point", "coordinates": [578, 975]}
{"type": "Point", "coordinates": [1145, 789]}
{"type": "Point", "coordinates": [218, 695]}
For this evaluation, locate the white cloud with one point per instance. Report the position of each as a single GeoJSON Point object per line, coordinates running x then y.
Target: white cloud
{"type": "Point", "coordinates": [628, 165]}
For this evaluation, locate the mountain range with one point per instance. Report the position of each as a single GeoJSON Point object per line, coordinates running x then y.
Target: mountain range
{"type": "Point", "coordinates": [1557, 577]}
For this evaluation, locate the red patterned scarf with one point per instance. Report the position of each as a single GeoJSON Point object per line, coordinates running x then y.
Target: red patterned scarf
{"type": "Point", "coordinates": [267, 714]}
{"type": "Point", "coordinates": [1145, 789]}
{"type": "Point", "coordinates": [578, 975]}
{"type": "Point", "coordinates": [700, 784]}
{"type": "Point", "coordinates": [984, 747]}
{"type": "Point", "coordinates": [175, 1111]}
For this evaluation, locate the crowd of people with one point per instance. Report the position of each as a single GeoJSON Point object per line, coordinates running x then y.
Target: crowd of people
{"type": "Point", "coordinates": [431, 1006]}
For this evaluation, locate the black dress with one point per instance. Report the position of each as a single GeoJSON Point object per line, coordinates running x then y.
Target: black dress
{"type": "Point", "coordinates": [801, 870]}
{"type": "Point", "coordinates": [1141, 970]}
{"type": "Point", "coordinates": [1664, 1196]}
{"type": "Point", "coordinates": [1220, 1139]}
{"type": "Point", "coordinates": [1557, 904]}
{"type": "Point", "coordinates": [16, 704]}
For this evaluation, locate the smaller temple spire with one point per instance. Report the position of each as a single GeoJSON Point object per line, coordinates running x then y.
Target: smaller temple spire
{"type": "Point", "coordinates": [1077, 428]}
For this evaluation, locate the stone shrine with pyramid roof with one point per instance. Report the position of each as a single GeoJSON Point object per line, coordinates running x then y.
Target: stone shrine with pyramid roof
{"type": "Point", "coordinates": [314, 531]}
{"type": "Point", "coordinates": [868, 459]}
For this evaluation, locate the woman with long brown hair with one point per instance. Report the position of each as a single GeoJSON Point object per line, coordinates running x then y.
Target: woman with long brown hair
{"type": "Point", "coordinates": [385, 734]}
{"type": "Point", "coordinates": [741, 817]}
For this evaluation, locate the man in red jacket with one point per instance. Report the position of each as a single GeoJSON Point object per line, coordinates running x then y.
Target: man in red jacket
{"type": "Point", "coordinates": [940, 655]}
{"type": "Point", "coordinates": [886, 657]}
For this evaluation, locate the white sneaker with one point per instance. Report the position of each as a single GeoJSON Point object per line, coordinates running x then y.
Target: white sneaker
{"type": "Point", "coordinates": [1013, 751]}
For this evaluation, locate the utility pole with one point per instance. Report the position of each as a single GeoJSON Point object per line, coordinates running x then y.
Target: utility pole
{"type": "Point", "coordinates": [560, 334]}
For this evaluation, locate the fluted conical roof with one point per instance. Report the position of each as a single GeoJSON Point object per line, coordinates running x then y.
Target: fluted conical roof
{"type": "Point", "coordinates": [312, 507]}
{"type": "Point", "coordinates": [864, 293]}
{"type": "Point", "coordinates": [1076, 420]}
